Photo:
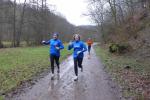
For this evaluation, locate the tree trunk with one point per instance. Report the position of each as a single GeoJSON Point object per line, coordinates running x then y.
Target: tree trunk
{"type": "Point", "coordinates": [113, 10]}
{"type": "Point", "coordinates": [21, 24]}
{"type": "Point", "coordinates": [14, 25]}
{"type": "Point", "coordinates": [1, 44]}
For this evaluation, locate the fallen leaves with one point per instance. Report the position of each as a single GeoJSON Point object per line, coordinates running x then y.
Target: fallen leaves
{"type": "Point", "coordinates": [138, 83]}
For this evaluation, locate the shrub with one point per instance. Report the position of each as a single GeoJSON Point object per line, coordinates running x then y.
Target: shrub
{"type": "Point", "coordinates": [113, 48]}
{"type": "Point", "coordinates": [119, 48]}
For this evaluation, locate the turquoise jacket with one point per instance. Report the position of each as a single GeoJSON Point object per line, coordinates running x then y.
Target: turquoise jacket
{"type": "Point", "coordinates": [53, 44]}
{"type": "Point", "coordinates": [78, 46]}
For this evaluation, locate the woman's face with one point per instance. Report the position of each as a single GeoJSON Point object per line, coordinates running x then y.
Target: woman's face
{"type": "Point", "coordinates": [55, 36]}
{"type": "Point", "coordinates": [76, 37]}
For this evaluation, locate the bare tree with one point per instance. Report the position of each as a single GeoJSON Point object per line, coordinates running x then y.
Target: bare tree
{"type": "Point", "coordinates": [14, 25]}
{"type": "Point", "coordinates": [114, 16]}
{"type": "Point", "coordinates": [31, 22]}
{"type": "Point", "coordinates": [21, 24]}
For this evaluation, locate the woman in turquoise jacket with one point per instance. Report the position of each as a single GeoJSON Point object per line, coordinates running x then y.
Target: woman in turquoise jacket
{"type": "Point", "coordinates": [55, 47]}
{"type": "Point", "coordinates": [78, 53]}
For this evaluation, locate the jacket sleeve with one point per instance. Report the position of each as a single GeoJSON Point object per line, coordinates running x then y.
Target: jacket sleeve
{"type": "Point", "coordinates": [47, 42]}
{"type": "Point", "coordinates": [61, 45]}
{"type": "Point", "coordinates": [84, 48]}
{"type": "Point", "coordinates": [70, 46]}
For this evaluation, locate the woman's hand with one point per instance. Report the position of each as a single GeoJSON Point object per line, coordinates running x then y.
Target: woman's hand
{"type": "Point", "coordinates": [57, 48]}
{"type": "Point", "coordinates": [70, 43]}
{"type": "Point", "coordinates": [43, 41]}
{"type": "Point", "coordinates": [78, 52]}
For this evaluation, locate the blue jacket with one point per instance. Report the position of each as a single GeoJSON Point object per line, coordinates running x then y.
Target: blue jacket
{"type": "Point", "coordinates": [78, 46]}
{"type": "Point", "coordinates": [53, 44]}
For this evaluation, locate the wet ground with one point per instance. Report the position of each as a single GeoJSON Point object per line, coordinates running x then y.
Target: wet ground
{"type": "Point", "coordinates": [93, 83]}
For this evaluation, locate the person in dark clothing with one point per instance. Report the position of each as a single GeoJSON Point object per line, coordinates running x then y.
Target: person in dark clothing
{"type": "Point", "coordinates": [55, 47]}
{"type": "Point", "coordinates": [78, 53]}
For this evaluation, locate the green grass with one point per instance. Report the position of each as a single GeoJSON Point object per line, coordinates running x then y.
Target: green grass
{"type": "Point", "coordinates": [1, 98]}
{"type": "Point", "coordinates": [115, 64]}
{"type": "Point", "coordinates": [21, 64]}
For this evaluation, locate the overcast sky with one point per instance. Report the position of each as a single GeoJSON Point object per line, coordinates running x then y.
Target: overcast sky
{"type": "Point", "coordinates": [73, 10]}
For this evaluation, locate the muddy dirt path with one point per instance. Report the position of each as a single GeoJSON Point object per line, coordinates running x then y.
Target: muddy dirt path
{"type": "Point", "coordinates": [91, 85]}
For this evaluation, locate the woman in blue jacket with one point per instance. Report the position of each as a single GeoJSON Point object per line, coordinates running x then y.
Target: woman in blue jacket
{"type": "Point", "coordinates": [78, 54]}
{"type": "Point", "coordinates": [55, 47]}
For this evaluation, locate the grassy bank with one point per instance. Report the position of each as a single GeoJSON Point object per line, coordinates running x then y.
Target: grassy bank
{"type": "Point", "coordinates": [132, 76]}
{"type": "Point", "coordinates": [20, 64]}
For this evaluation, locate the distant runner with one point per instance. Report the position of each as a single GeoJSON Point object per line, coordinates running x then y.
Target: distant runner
{"type": "Point", "coordinates": [78, 54]}
{"type": "Point", "coordinates": [89, 43]}
{"type": "Point", "coordinates": [55, 47]}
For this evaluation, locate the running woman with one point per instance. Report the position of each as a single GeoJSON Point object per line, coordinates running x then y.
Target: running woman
{"type": "Point", "coordinates": [78, 54]}
{"type": "Point", "coordinates": [89, 43]}
{"type": "Point", "coordinates": [55, 47]}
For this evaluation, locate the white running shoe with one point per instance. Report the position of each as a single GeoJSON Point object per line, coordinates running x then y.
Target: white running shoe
{"type": "Point", "coordinates": [75, 78]}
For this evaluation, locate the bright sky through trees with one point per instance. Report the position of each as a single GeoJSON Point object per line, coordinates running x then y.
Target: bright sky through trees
{"type": "Point", "coordinates": [73, 10]}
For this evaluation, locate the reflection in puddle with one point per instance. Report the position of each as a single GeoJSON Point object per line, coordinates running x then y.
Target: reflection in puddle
{"type": "Point", "coordinates": [51, 87]}
{"type": "Point", "coordinates": [54, 82]}
{"type": "Point", "coordinates": [58, 76]}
